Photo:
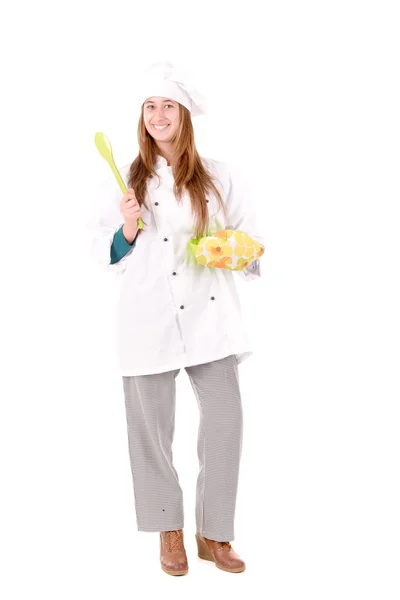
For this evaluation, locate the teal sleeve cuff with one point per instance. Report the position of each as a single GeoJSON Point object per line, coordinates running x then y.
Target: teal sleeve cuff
{"type": "Point", "coordinates": [120, 246]}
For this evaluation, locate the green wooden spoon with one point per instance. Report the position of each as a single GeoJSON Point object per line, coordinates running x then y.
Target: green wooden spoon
{"type": "Point", "coordinates": [104, 147]}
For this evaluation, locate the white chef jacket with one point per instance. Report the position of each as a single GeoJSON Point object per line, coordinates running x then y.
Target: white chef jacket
{"type": "Point", "coordinates": [171, 311]}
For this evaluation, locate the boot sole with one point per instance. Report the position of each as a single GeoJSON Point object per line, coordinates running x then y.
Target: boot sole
{"type": "Point", "coordinates": [169, 572]}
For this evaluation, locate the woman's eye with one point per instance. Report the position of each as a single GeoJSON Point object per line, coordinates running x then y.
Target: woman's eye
{"type": "Point", "coordinates": [151, 105]}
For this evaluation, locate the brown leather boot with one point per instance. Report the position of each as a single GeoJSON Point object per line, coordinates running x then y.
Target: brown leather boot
{"type": "Point", "coordinates": [221, 553]}
{"type": "Point", "coordinates": [172, 552]}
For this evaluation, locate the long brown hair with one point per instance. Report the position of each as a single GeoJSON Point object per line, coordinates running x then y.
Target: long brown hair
{"type": "Point", "coordinates": [187, 167]}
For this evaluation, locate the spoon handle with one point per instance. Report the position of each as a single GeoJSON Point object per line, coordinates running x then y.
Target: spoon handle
{"type": "Point", "coordinates": [124, 189]}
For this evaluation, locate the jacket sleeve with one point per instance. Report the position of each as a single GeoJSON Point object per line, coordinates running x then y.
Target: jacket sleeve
{"type": "Point", "coordinates": [242, 216]}
{"type": "Point", "coordinates": [120, 246]}
{"type": "Point", "coordinates": [104, 222]}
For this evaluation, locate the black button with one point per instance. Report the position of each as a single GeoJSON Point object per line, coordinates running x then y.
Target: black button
{"type": "Point", "coordinates": [182, 306]}
{"type": "Point", "coordinates": [208, 201]}
{"type": "Point", "coordinates": [156, 203]}
{"type": "Point", "coordinates": [212, 298]}
{"type": "Point", "coordinates": [174, 273]}
{"type": "Point", "coordinates": [165, 239]}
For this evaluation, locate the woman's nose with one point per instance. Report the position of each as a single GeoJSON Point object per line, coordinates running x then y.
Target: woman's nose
{"type": "Point", "coordinates": [159, 114]}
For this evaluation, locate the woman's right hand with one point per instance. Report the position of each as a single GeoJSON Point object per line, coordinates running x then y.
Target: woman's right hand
{"type": "Point", "coordinates": [130, 209]}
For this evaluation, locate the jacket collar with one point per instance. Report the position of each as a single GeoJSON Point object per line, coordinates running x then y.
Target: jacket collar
{"type": "Point", "coordinates": [161, 162]}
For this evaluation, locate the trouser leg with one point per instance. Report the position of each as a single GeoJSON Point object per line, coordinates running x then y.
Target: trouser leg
{"type": "Point", "coordinates": [219, 445]}
{"type": "Point", "coordinates": [150, 411]}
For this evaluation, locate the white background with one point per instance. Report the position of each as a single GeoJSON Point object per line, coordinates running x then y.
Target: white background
{"type": "Point", "coordinates": [305, 96]}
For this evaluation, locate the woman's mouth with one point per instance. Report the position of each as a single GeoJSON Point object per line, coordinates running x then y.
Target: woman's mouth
{"type": "Point", "coordinates": [160, 127]}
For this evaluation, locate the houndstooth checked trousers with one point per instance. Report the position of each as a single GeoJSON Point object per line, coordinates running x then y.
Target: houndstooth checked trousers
{"type": "Point", "coordinates": [150, 412]}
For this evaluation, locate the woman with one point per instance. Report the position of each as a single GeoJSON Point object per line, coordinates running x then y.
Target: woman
{"type": "Point", "coordinates": [174, 313]}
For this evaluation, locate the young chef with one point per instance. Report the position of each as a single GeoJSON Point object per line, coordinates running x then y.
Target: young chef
{"type": "Point", "coordinates": [174, 313]}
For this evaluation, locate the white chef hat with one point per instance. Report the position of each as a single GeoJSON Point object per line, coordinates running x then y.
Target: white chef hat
{"type": "Point", "coordinates": [165, 80]}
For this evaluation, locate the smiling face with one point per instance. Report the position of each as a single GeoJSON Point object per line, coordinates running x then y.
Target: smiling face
{"type": "Point", "coordinates": [161, 118]}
